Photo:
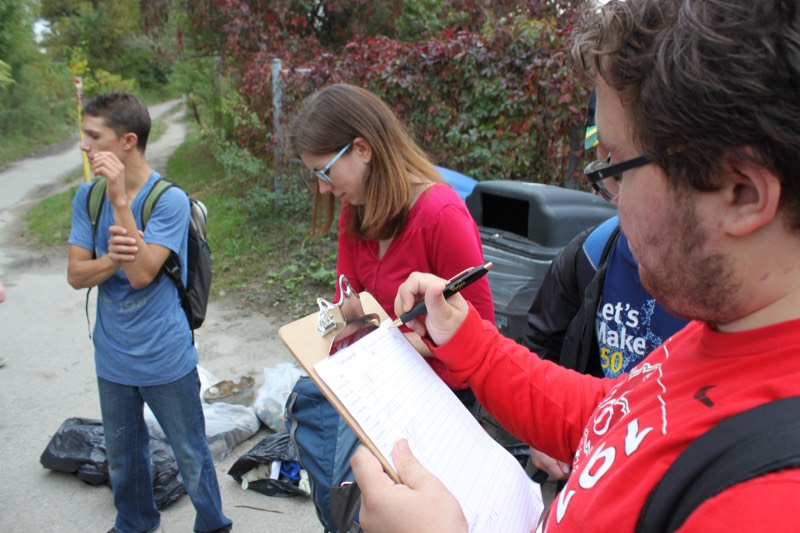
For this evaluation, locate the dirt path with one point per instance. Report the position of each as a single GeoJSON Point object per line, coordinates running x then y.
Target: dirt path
{"type": "Point", "coordinates": [49, 372]}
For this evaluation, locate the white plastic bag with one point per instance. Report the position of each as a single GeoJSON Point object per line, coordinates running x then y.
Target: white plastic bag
{"type": "Point", "coordinates": [207, 379]}
{"type": "Point", "coordinates": [271, 398]}
{"type": "Point", "coordinates": [227, 426]}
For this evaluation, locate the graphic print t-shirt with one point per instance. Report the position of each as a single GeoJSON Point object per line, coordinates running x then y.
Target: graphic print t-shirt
{"type": "Point", "coordinates": [629, 323]}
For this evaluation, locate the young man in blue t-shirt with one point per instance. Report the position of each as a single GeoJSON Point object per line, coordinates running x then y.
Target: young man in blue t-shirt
{"type": "Point", "coordinates": [143, 343]}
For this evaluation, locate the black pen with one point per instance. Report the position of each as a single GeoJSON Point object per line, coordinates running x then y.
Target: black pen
{"type": "Point", "coordinates": [456, 284]}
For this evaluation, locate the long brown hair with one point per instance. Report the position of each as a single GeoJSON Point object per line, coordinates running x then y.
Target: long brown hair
{"type": "Point", "coordinates": [333, 117]}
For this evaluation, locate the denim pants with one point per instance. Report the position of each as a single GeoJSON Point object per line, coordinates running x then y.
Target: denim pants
{"type": "Point", "coordinates": [178, 410]}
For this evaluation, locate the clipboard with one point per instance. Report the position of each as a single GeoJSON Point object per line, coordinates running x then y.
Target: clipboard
{"type": "Point", "coordinates": [311, 338]}
{"type": "Point", "coordinates": [385, 383]}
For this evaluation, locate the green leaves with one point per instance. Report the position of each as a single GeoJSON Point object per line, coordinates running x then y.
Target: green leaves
{"type": "Point", "coordinates": [5, 75]}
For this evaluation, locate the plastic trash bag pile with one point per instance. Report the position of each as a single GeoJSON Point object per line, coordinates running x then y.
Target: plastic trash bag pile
{"type": "Point", "coordinates": [271, 467]}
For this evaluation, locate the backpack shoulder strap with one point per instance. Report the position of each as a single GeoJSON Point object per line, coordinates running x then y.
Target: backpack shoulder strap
{"type": "Point", "coordinates": [172, 265]}
{"type": "Point", "coordinates": [153, 197]}
{"type": "Point", "coordinates": [753, 443]}
{"type": "Point", "coordinates": [94, 205]}
{"type": "Point", "coordinates": [602, 266]}
{"type": "Point", "coordinates": [580, 345]}
{"type": "Point", "coordinates": [595, 250]}
{"type": "Point", "coordinates": [94, 200]}
{"type": "Point", "coordinates": [596, 245]}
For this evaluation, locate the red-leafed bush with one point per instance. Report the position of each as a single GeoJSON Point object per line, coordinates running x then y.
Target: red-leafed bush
{"type": "Point", "coordinates": [490, 93]}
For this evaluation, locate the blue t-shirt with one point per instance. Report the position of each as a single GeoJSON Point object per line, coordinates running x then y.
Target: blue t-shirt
{"type": "Point", "coordinates": [630, 323]}
{"type": "Point", "coordinates": [141, 337]}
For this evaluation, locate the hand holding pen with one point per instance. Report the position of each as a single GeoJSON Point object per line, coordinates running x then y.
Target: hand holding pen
{"type": "Point", "coordinates": [454, 285]}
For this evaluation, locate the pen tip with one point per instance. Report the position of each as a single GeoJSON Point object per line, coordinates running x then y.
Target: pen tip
{"type": "Point", "coordinates": [396, 323]}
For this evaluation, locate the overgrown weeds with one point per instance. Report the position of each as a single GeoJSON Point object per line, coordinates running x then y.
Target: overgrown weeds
{"type": "Point", "coordinates": [260, 240]}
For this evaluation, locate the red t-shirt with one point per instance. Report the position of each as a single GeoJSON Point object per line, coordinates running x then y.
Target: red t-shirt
{"type": "Point", "coordinates": [621, 435]}
{"type": "Point", "coordinates": [440, 237]}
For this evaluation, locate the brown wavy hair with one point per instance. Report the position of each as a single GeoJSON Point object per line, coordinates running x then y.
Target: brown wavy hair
{"type": "Point", "coordinates": [331, 118]}
{"type": "Point", "coordinates": [702, 80]}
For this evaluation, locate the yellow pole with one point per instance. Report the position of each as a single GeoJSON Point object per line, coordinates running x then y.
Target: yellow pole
{"type": "Point", "coordinates": [87, 171]}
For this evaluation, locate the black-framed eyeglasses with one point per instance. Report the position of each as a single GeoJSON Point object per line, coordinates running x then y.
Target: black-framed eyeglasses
{"type": "Point", "coordinates": [605, 176]}
{"type": "Point", "coordinates": [322, 174]}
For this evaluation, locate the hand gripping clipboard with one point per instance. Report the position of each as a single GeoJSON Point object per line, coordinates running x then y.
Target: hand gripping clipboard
{"type": "Point", "coordinates": [314, 337]}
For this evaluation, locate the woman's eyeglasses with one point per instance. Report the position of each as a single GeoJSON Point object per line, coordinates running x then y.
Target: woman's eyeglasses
{"type": "Point", "coordinates": [322, 174]}
{"type": "Point", "coordinates": [605, 176]}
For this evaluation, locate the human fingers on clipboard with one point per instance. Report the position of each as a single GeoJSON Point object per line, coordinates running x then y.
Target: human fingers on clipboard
{"type": "Point", "coordinates": [443, 316]}
{"type": "Point", "coordinates": [421, 503]}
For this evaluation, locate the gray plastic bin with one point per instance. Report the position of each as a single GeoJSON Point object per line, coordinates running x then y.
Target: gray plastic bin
{"type": "Point", "coordinates": [523, 226]}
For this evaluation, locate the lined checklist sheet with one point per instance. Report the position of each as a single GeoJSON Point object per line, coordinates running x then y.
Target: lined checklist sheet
{"type": "Point", "coordinates": [393, 393]}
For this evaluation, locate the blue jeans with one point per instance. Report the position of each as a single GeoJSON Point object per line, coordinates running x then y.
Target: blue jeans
{"type": "Point", "coordinates": [177, 408]}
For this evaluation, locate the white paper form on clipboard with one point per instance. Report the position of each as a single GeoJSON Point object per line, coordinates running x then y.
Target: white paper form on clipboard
{"type": "Point", "coordinates": [392, 393]}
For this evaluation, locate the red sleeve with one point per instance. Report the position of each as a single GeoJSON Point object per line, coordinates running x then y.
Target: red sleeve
{"type": "Point", "coordinates": [539, 402]}
{"type": "Point", "coordinates": [454, 244]}
{"type": "Point", "coordinates": [765, 503]}
{"type": "Point", "coordinates": [345, 260]}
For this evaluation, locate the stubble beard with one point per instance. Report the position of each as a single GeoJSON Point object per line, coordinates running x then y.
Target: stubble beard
{"type": "Point", "coordinates": [690, 282]}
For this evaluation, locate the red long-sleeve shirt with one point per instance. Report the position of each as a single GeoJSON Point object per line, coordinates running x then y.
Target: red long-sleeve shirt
{"type": "Point", "coordinates": [621, 435]}
{"type": "Point", "coordinates": [440, 237]}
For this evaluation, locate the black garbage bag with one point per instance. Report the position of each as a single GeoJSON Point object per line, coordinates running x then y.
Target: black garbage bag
{"type": "Point", "coordinates": [78, 448]}
{"type": "Point", "coordinates": [277, 447]}
{"type": "Point", "coordinates": [167, 482]}
{"type": "Point", "coordinates": [520, 451]}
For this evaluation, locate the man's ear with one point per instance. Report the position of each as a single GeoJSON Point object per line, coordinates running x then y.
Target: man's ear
{"type": "Point", "coordinates": [751, 191]}
{"type": "Point", "coordinates": [362, 149]}
{"type": "Point", "coordinates": [129, 140]}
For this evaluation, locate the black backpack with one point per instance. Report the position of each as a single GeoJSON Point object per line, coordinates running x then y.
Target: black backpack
{"type": "Point", "coordinates": [753, 443]}
{"type": "Point", "coordinates": [194, 296]}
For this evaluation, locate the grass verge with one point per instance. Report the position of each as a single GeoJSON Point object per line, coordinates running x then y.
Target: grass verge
{"type": "Point", "coordinates": [17, 145]}
{"type": "Point", "coordinates": [260, 241]}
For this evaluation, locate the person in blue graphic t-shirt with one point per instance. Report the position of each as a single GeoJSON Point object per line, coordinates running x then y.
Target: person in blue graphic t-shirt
{"type": "Point", "coordinates": [143, 348]}
{"type": "Point", "coordinates": [591, 312]}
{"type": "Point", "coordinates": [629, 322]}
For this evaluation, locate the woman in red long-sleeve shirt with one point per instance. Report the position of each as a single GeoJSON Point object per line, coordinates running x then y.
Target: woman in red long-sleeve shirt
{"type": "Point", "coordinates": [397, 215]}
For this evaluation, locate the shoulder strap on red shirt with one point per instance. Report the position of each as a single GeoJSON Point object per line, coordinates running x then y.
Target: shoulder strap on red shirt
{"type": "Point", "coordinates": [753, 443]}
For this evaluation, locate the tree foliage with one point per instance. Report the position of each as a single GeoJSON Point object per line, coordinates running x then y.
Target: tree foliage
{"type": "Point", "coordinates": [5, 75]}
{"type": "Point", "coordinates": [17, 45]}
{"type": "Point", "coordinates": [111, 44]}
{"type": "Point", "coordinates": [484, 86]}
{"type": "Point", "coordinates": [117, 40]}
{"type": "Point", "coordinates": [30, 103]}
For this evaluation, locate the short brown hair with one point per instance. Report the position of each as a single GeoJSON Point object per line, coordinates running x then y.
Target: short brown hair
{"type": "Point", "coordinates": [703, 78]}
{"type": "Point", "coordinates": [123, 113]}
